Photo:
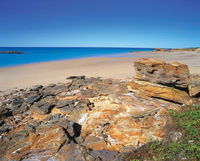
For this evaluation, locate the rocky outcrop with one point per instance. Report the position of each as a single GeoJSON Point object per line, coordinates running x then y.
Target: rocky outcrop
{"type": "Point", "coordinates": [157, 71]}
{"type": "Point", "coordinates": [88, 119]}
{"type": "Point", "coordinates": [160, 91]}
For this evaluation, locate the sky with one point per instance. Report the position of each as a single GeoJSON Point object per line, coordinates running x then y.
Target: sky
{"type": "Point", "coordinates": [100, 23]}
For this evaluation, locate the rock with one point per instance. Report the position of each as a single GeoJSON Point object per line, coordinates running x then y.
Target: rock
{"type": "Point", "coordinates": [63, 103]}
{"type": "Point", "coordinates": [46, 94]}
{"type": "Point", "coordinates": [5, 129]}
{"type": "Point", "coordinates": [157, 71]}
{"type": "Point", "coordinates": [74, 152]}
{"type": "Point", "coordinates": [194, 85]}
{"type": "Point", "coordinates": [5, 112]}
{"type": "Point", "coordinates": [32, 99]}
{"type": "Point", "coordinates": [175, 136]}
{"type": "Point", "coordinates": [160, 91]}
{"type": "Point", "coordinates": [1, 122]}
{"type": "Point", "coordinates": [51, 85]}
{"type": "Point", "coordinates": [82, 77]}
{"type": "Point", "coordinates": [45, 143]}
{"type": "Point", "coordinates": [23, 108]}
{"type": "Point", "coordinates": [105, 155]}
{"type": "Point", "coordinates": [36, 88]}
{"type": "Point", "coordinates": [46, 108]}
{"type": "Point", "coordinates": [17, 102]}
{"type": "Point", "coordinates": [94, 143]}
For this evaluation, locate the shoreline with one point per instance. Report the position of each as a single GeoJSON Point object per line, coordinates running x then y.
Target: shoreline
{"type": "Point", "coordinates": [118, 67]}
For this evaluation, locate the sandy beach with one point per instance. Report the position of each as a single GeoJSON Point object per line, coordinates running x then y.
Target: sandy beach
{"type": "Point", "coordinates": [105, 67]}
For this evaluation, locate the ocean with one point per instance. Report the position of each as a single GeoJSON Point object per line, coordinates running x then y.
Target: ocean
{"type": "Point", "coordinates": [44, 54]}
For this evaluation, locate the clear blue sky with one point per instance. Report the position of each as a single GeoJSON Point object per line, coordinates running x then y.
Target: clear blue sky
{"type": "Point", "coordinates": [100, 23]}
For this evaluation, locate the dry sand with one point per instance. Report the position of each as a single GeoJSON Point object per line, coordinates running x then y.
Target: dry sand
{"type": "Point", "coordinates": [105, 67]}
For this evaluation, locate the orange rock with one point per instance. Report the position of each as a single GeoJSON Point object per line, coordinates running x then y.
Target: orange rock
{"type": "Point", "coordinates": [94, 143]}
{"type": "Point", "coordinates": [38, 146]}
{"type": "Point", "coordinates": [157, 71]}
{"type": "Point", "coordinates": [160, 91]}
{"type": "Point", "coordinates": [194, 85]}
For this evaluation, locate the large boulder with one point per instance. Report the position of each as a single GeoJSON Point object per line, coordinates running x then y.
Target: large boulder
{"type": "Point", "coordinates": [157, 71]}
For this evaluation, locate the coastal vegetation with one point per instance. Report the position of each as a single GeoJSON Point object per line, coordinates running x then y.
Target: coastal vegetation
{"type": "Point", "coordinates": [186, 145]}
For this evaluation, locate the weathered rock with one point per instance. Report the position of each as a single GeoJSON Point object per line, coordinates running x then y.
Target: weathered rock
{"type": "Point", "coordinates": [93, 119]}
{"type": "Point", "coordinates": [160, 91]}
{"type": "Point", "coordinates": [194, 85]}
{"type": "Point", "coordinates": [74, 152]}
{"type": "Point", "coordinates": [82, 77]}
{"type": "Point", "coordinates": [23, 108]}
{"type": "Point", "coordinates": [157, 71]}
{"type": "Point", "coordinates": [32, 99]}
{"type": "Point", "coordinates": [36, 88]}
{"type": "Point", "coordinates": [41, 145]}
{"type": "Point", "coordinates": [1, 122]}
{"type": "Point", "coordinates": [5, 112]}
{"type": "Point", "coordinates": [175, 135]}
{"type": "Point", "coordinates": [17, 102]}
{"type": "Point", "coordinates": [105, 155]}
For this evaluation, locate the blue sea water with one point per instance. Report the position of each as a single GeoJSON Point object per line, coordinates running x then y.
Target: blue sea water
{"type": "Point", "coordinates": [43, 54]}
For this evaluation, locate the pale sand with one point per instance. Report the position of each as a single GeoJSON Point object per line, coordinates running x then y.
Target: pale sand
{"type": "Point", "coordinates": [105, 67]}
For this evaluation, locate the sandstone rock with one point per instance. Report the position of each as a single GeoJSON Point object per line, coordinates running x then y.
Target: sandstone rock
{"type": "Point", "coordinates": [5, 112]}
{"type": "Point", "coordinates": [103, 119]}
{"type": "Point", "coordinates": [38, 146]}
{"type": "Point", "coordinates": [32, 99]}
{"type": "Point", "coordinates": [160, 91]}
{"type": "Point", "coordinates": [17, 102]}
{"type": "Point", "coordinates": [194, 85]}
{"type": "Point", "coordinates": [23, 108]}
{"type": "Point", "coordinates": [157, 71]}
{"type": "Point", "coordinates": [73, 152]}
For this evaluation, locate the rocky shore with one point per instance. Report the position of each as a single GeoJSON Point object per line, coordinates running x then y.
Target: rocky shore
{"type": "Point", "coordinates": [92, 119]}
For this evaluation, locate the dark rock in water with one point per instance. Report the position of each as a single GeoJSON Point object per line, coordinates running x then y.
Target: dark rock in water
{"type": "Point", "coordinates": [11, 52]}
{"type": "Point", "coordinates": [17, 102]}
{"type": "Point", "coordinates": [82, 77]}
{"type": "Point", "coordinates": [32, 99]}
{"type": "Point", "coordinates": [36, 87]}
